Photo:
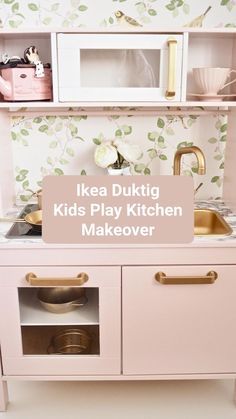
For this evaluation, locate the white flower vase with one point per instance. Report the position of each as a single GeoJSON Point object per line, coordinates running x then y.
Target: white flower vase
{"type": "Point", "coordinates": [124, 171]}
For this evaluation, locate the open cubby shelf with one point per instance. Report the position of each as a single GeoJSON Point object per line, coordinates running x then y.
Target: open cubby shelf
{"type": "Point", "coordinates": [198, 48]}
{"type": "Point", "coordinates": [33, 314]}
{"type": "Point", "coordinates": [36, 340]}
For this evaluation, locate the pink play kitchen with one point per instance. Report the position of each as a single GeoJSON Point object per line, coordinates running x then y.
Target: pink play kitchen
{"type": "Point", "coordinates": [132, 312]}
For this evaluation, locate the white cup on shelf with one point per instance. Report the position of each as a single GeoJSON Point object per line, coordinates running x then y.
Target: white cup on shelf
{"type": "Point", "coordinates": [210, 80]}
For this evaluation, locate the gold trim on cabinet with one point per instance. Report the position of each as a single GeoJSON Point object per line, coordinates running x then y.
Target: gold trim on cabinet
{"type": "Point", "coordinates": [172, 56]}
{"type": "Point", "coordinates": [50, 282]}
{"type": "Point", "coordinates": [209, 278]}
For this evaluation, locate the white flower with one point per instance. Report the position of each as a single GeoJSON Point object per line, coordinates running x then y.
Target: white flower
{"type": "Point", "coordinates": [130, 152]}
{"type": "Point", "coordinates": [105, 155]}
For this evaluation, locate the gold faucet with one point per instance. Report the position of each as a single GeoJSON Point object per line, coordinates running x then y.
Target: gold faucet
{"type": "Point", "coordinates": [187, 150]}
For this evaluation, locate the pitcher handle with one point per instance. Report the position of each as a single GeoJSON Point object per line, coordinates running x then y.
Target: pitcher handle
{"type": "Point", "coordinates": [232, 81]}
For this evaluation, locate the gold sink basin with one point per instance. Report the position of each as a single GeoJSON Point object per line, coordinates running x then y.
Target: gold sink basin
{"type": "Point", "coordinates": [209, 222]}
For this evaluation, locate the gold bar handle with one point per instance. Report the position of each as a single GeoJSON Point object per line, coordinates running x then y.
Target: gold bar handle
{"type": "Point", "coordinates": [209, 278]}
{"type": "Point", "coordinates": [172, 56]}
{"type": "Point", "coordinates": [52, 282]}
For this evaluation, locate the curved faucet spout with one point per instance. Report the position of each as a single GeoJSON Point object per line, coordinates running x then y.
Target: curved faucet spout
{"type": "Point", "coordinates": [187, 150]}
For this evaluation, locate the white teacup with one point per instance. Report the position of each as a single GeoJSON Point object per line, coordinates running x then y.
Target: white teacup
{"type": "Point", "coordinates": [211, 80]}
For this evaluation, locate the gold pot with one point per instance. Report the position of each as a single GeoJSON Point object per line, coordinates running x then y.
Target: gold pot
{"type": "Point", "coordinates": [70, 342]}
{"type": "Point", "coordinates": [62, 299]}
{"type": "Point", "coordinates": [34, 219]}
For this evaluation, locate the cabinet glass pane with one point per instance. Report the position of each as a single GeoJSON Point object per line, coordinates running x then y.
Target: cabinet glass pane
{"type": "Point", "coordinates": [119, 68]}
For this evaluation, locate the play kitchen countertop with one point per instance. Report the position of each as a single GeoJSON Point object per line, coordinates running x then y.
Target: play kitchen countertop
{"type": "Point", "coordinates": [224, 240]}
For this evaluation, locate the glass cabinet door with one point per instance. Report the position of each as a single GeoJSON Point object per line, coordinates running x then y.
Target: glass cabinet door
{"type": "Point", "coordinates": [120, 67]}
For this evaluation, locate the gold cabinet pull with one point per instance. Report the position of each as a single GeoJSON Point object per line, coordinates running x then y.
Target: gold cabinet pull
{"type": "Point", "coordinates": [209, 278]}
{"type": "Point", "coordinates": [172, 56]}
{"type": "Point", "coordinates": [34, 280]}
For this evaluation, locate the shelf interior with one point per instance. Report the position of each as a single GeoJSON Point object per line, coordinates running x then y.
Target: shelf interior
{"type": "Point", "coordinates": [32, 312]}
{"type": "Point", "coordinates": [16, 45]}
{"type": "Point", "coordinates": [210, 51]}
{"type": "Point", "coordinates": [36, 339]}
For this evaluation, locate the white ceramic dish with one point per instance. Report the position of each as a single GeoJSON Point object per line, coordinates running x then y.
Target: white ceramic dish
{"type": "Point", "coordinates": [210, 98]}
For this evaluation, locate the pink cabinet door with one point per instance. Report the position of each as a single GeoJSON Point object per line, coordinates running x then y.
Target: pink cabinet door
{"type": "Point", "coordinates": [28, 331]}
{"type": "Point", "coordinates": [179, 328]}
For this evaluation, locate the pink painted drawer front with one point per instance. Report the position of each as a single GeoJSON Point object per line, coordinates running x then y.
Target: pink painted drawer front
{"type": "Point", "coordinates": [108, 361]}
{"type": "Point", "coordinates": [25, 86]}
{"type": "Point", "coordinates": [178, 329]}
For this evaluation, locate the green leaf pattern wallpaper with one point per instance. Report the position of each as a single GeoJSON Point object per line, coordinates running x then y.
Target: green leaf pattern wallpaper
{"type": "Point", "coordinates": [66, 144]}
{"type": "Point", "coordinates": [103, 13]}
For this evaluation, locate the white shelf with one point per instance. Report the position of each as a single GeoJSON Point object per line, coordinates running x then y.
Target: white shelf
{"type": "Point", "coordinates": [102, 106]}
{"type": "Point", "coordinates": [151, 29]}
{"type": "Point", "coordinates": [47, 42]}
{"type": "Point", "coordinates": [33, 314]}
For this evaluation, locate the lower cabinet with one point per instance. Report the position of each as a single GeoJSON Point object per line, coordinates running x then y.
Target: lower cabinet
{"type": "Point", "coordinates": [83, 339]}
{"type": "Point", "coordinates": [175, 320]}
{"type": "Point", "coordinates": [182, 322]}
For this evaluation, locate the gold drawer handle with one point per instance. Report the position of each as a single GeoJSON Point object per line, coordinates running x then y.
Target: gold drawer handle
{"type": "Point", "coordinates": [181, 280]}
{"type": "Point", "coordinates": [50, 282]}
{"type": "Point", "coordinates": [171, 90]}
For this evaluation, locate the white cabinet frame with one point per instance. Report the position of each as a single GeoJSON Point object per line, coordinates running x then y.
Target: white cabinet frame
{"type": "Point", "coordinates": [69, 66]}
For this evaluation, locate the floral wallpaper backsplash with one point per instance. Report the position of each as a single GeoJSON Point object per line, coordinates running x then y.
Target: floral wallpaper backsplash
{"type": "Point", "coordinates": [103, 13]}
{"type": "Point", "coordinates": [65, 144]}
{"type": "Point", "coordinates": [60, 145]}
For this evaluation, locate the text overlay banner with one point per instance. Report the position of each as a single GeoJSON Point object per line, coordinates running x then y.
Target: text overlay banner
{"type": "Point", "coordinates": [118, 210]}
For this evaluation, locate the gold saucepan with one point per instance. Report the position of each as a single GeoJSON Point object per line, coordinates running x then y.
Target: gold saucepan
{"type": "Point", "coordinates": [62, 299]}
{"type": "Point", "coordinates": [34, 219]}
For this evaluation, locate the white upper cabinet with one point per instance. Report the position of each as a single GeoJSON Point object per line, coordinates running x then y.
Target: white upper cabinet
{"type": "Point", "coordinates": [120, 67]}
